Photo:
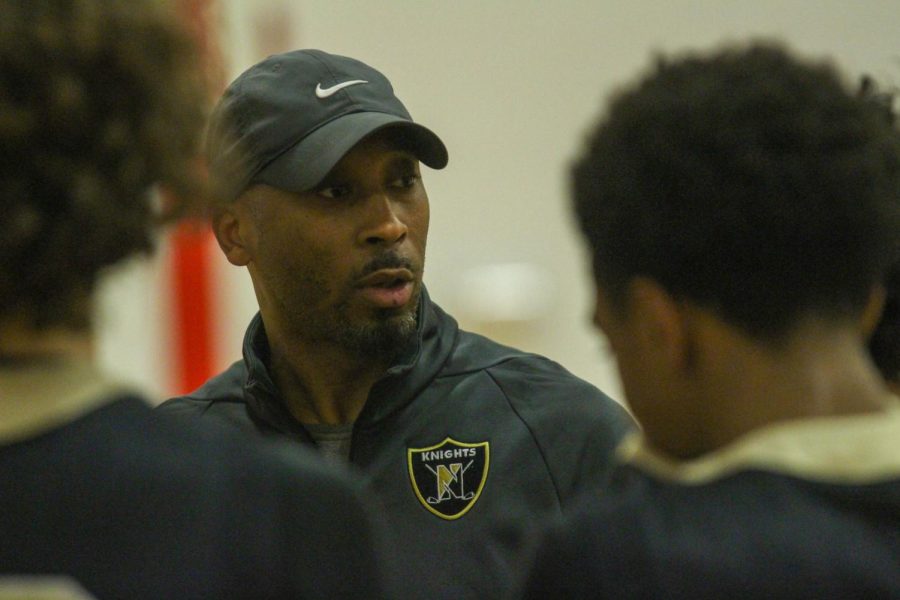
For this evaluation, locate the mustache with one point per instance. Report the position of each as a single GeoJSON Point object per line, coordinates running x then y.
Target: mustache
{"type": "Point", "coordinates": [387, 260]}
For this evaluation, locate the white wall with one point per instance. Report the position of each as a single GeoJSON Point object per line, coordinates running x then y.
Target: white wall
{"type": "Point", "coordinates": [510, 86]}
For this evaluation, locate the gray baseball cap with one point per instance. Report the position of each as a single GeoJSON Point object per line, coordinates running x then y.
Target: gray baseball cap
{"type": "Point", "coordinates": [289, 119]}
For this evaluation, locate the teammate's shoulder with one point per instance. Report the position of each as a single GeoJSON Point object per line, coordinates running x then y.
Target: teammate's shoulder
{"type": "Point", "coordinates": [537, 387]}
{"type": "Point", "coordinates": [474, 352]}
{"type": "Point", "coordinates": [533, 378]}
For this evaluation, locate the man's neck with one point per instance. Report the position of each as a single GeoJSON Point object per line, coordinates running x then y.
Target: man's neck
{"type": "Point", "coordinates": [22, 343]}
{"type": "Point", "coordinates": [824, 373]}
{"type": "Point", "coordinates": [322, 383]}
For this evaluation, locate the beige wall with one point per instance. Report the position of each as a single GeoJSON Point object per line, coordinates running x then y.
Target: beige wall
{"type": "Point", "coordinates": [510, 86]}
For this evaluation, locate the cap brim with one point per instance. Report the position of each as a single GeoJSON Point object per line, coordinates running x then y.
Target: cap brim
{"type": "Point", "coordinates": [304, 165]}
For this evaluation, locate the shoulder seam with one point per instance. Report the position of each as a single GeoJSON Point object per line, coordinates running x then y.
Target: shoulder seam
{"type": "Point", "coordinates": [530, 431]}
{"type": "Point", "coordinates": [497, 363]}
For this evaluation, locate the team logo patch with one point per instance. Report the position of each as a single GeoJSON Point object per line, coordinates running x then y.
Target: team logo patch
{"type": "Point", "coordinates": [448, 477]}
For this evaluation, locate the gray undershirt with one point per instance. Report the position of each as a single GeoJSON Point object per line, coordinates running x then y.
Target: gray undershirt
{"type": "Point", "coordinates": [333, 440]}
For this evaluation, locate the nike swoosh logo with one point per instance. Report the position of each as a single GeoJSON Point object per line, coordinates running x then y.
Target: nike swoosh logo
{"type": "Point", "coordinates": [326, 92]}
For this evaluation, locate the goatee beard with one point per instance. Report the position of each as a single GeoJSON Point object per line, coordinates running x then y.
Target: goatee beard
{"type": "Point", "coordinates": [387, 337]}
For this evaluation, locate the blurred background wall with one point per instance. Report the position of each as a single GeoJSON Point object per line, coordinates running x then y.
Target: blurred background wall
{"type": "Point", "coordinates": [510, 86]}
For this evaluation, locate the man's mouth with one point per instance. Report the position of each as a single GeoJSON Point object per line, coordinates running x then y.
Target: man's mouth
{"type": "Point", "coordinates": [387, 288]}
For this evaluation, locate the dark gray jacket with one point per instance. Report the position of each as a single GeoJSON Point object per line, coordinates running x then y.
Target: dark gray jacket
{"type": "Point", "coordinates": [463, 443]}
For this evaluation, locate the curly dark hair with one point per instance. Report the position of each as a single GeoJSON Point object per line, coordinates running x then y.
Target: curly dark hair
{"type": "Point", "coordinates": [746, 181]}
{"type": "Point", "coordinates": [101, 102]}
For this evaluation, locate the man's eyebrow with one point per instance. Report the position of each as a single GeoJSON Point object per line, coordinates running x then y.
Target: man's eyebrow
{"type": "Point", "coordinates": [404, 159]}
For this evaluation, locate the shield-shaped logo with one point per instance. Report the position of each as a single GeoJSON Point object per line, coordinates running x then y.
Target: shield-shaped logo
{"type": "Point", "coordinates": [448, 477]}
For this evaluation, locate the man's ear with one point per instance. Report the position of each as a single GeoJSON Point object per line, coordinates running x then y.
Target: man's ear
{"type": "Point", "coordinates": [660, 322]}
{"type": "Point", "coordinates": [872, 312]}
{"type": "Point", "coordinates": [233, 230]}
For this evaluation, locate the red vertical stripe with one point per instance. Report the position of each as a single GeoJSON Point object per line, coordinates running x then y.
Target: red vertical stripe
{"type": "Point", "coordinates": [191, 270]}
{"type": "Point", "coordinates": [192, 302]}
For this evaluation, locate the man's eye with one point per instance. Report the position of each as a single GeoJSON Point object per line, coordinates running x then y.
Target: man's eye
{"type": "Point", "coordinates": [333, 191]}
{"type": "Point", "coordinates": [406, 181]}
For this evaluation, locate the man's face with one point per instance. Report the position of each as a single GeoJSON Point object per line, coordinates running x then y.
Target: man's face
{"type": "Point", "coordinates": [342, 264]}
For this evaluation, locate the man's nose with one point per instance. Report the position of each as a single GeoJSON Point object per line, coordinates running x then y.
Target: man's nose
{"type": "Point", "coordinates": [384, 225]}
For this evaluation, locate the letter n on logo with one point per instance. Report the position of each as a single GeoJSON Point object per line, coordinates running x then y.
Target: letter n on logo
{"type": "Point", "coordinates": [448, 477]}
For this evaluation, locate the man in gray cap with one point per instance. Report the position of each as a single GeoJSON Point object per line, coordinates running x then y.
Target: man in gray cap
{"type": "Point", "coordinates": [461, 441]}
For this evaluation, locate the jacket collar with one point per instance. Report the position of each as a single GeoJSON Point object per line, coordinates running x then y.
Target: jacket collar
{"type": "Point", "coordinates": [416, 366]}
{"type": "Point", "coordinates": [264, 404]}
{"type": "Point", "coordinates": [855, 449]}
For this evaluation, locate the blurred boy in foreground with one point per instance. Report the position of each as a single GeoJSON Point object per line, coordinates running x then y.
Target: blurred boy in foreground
{"type": "Point", "coordinates": [99, 103]}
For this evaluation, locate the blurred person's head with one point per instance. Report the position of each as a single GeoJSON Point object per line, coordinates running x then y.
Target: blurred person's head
{"type": "Point", "coordinates": [101, 104]}
{"type": "Point", "coordinates": [743, 188]}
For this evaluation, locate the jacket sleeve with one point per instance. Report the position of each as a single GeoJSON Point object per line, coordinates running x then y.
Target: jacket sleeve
{"type": "Point", "coordinates": [598, 548]}
{"type": "Point", "coordinates": [571, 561]}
